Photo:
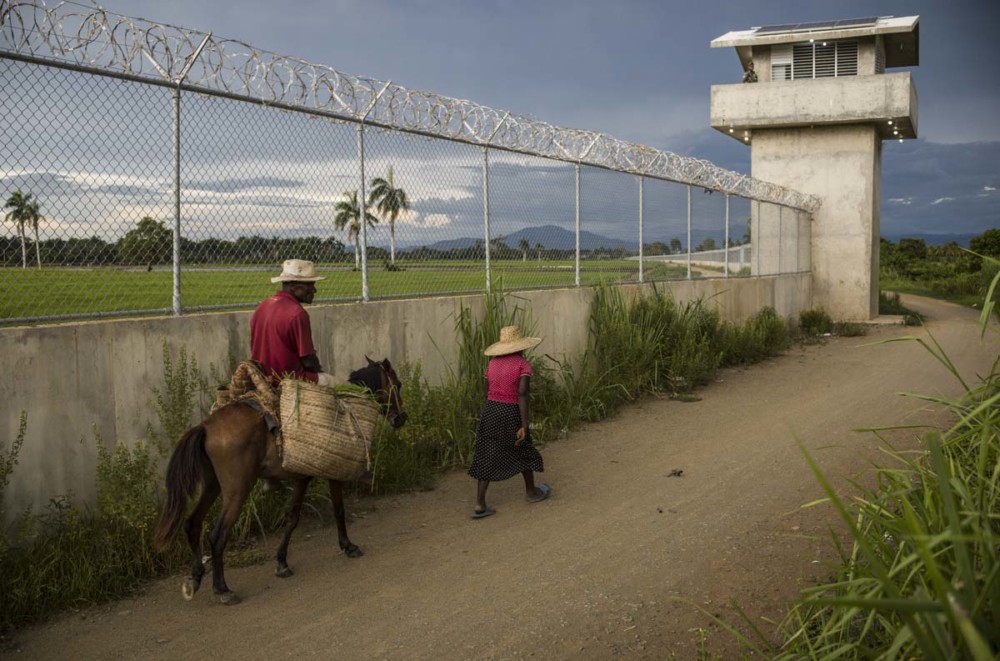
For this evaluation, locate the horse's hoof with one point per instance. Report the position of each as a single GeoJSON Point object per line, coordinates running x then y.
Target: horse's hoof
{"type": "Point", "coordinates": [229, 599]}
{"type": "Point", "coordinates": [353, 551]}
{"type": "Point", "coordinates": [189, 587]}
{"type": "Point", "coordinates": [284, 572]}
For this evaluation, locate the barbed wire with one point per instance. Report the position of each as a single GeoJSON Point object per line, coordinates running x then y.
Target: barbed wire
{"type": "Point", "coordinates": [90, 38]}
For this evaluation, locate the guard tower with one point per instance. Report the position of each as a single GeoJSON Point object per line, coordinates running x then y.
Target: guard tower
{"type": "Point", "coordinates": [815, 121]}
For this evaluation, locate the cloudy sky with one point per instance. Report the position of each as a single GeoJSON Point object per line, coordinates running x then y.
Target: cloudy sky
{"type": "Point", "coordinates": [640, 71]}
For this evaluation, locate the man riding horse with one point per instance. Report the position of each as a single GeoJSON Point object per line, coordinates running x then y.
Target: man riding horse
{"type": "Point", "coordinates": [235, 445]}
{"type": "Point", "coordinates": [280, 333]}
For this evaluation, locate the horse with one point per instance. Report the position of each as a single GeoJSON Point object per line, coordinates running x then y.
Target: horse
{"type": "Point", "coordinates": [226, 454]}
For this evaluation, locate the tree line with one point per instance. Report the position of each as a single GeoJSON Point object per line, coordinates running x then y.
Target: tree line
{"type": "Point", "coordinates": [150, 243]}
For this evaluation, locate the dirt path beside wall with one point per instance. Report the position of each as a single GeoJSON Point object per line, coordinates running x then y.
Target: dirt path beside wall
{"type": "Point", "coordinates": [596, 571]}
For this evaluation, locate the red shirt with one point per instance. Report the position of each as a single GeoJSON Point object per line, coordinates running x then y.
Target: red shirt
{"type": "Point", "coordinates": [504, 373]}
{"type": "Point", "coordinates": [280, 336]}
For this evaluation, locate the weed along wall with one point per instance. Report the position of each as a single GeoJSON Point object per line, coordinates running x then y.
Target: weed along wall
{"type": "Point", "coordinates": [78, 380]}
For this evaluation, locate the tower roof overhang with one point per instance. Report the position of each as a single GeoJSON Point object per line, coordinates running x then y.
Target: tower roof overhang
{"type": "Point", "coordinates": [901, 35]}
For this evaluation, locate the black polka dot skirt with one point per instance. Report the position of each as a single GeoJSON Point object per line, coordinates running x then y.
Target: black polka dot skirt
{"type": "Point", "coordinates": [496, 457]}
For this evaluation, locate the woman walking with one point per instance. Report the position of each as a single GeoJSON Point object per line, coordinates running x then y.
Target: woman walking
{"type": "Point", "coordinates": [503, 439]}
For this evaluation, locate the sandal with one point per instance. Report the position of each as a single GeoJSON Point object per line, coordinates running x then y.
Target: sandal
{"type": "Point", "coordinates": [482, 514]}
{"type": "Point", "coordinates": [544, 491]}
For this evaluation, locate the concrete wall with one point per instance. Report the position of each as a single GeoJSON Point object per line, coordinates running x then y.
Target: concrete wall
{"type": "Point", "coordinates": [817, 102]}
{"type": "Point", "coordinates": [780, 238]}
{"type": "Point", "coordinates": [842, 166]}
{"type": "Point", "coordinates": [100, 375]}
{"type": "Point", "coordinates": [868, 55]}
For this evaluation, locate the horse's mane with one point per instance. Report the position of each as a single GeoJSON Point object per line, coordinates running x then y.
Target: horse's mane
{"type": "Point", "coordinates": [370, 377]}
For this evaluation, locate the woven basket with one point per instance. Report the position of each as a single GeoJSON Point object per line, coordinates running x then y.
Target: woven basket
{"type": "Point", "coordinates": [326, 434]}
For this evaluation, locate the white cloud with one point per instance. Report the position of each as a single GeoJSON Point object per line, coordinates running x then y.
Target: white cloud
{"type": "Point", "coordinates": [409, 217]}
{"type": "Point", "coordinates": [989, 188]}
{"type": "Point", "coordinates": [942, 199]}
{"type": "Point", "coordinates": [436, 220]}
{"type": "Point", "coordinates": [901, 200]}
{"type": "Point", "coordinates": [415, 219]}
{"type": "Point", "coordinates": [447, 194]}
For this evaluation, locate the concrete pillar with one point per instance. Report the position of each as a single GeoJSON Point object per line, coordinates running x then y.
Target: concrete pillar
{"type": "Point", "coordinates": [842, 166]}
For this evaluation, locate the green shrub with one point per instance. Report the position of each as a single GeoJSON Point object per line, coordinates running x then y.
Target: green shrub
{"type": "Point", "coordinates": [409, 457]}
{"type": "Point", "coordinates": [127, 485]}
{"type": "Point", "coordinates": [8, 460]}
{"type": "Point", "coordinates": [889, 303]}
{"type": "Point", "coordinates": [762, 336]}
{"type": "Point", "coordinates": [67, 557]}
{"type": "Point", "coordinates": [849, 329]}
{"type": "Point", "coordinates": [814, 323]}
{"type": "Point", "coordinates": [179, 400]}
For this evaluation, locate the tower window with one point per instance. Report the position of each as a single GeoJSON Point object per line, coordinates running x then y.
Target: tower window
{"type": "Point", "coordinates": [817, 59]}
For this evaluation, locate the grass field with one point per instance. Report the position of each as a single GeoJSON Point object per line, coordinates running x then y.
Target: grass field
{"type": "Point", "coordinates": [33, 293]}
{"type": "Point", "coordinates": [948, 291]}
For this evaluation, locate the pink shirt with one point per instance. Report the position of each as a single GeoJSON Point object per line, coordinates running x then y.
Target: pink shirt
{"type": "Point", "coordinates": [503, 374]}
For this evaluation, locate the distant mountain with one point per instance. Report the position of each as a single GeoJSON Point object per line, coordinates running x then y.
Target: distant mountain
{"type": "Point", "coordinates": [932, 239]}
{"type": "Point", "coordinates": [550, 236]}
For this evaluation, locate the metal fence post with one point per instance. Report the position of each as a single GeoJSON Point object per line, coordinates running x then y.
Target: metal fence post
{"type": "Point", "coordinates": [755, 244]}
{"type": "Point", "coordinates": [689, 234]}
{"type": "Point", "coordinates": [726, 259]}
{"type": "Point", "coordinates": [363, 214]}
{"type": "Point", "coordinates": [798, 238]}
{"type": "Point", "coordinates": [176, 268]}
{"type": "Point", "coordinates": [363, 201]}
{"type": "Point", "coordinates": [486, 197]}
{"type": "Point", "coordinates": [781, 232]}
{"type": "Point", "coordinates": [642, 181]}
{"type": "Point", "coordinates": [577, 270]}
{"type": "Point", "coordinates": [486, 212]}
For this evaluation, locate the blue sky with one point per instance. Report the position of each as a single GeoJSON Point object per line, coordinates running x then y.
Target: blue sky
{"type": "Point", "coordinates": [642, 71]}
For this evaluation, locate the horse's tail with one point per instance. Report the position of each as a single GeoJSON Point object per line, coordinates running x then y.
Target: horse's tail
{"type": "Point", "coordinates": [185, 474]}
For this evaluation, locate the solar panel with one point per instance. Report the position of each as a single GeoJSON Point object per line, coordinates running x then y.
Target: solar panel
{"type": "Point", "coordinates": [817, 25]}
{"type": "Point", "coordinates": [788, 27]}
{"type": "Point", "coordinates": [857, 22]}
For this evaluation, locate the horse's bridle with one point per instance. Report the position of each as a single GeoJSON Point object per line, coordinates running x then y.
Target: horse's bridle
{"type": "Point", "coordinates": [392, 399]}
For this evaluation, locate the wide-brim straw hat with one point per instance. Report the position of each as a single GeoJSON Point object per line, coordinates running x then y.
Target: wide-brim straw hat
{"type": "Point", "coordinates": [298, 270]}
{"type": "Point", "coordinates": [511, 341]}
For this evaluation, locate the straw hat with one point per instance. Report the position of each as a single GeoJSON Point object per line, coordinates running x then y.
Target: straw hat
{"type": "Point", "coordinates": [511, 341]}
{"type": "Point", "coordinates": [297, 270]}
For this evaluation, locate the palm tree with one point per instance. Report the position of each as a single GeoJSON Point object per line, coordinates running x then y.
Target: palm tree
{"type": "Point", "coordinates": [34, 217]}
{"type": "Point", "coordinates": [24, 209]}
{"type": "Point", "coordinates": [538, 250]}
{"type": "Point", "coordinates": [349, 215]}
{"type": "Point", "coordinates": [525, 246]}
{"type": "Point", "coordinates": [389, 201]}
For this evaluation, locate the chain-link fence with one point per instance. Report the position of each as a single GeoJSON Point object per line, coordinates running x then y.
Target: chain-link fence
{"type": "Point", "coordinates": [152, 169]}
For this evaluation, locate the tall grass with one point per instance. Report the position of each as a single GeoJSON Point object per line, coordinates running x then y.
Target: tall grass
{"type": "Point", "coordinates": [636, 346]}
{"type": "Point", "coordinates": [921, 576]}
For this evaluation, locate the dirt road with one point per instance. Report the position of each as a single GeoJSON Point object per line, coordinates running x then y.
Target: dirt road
{"type": "Point", "coordinates": [611, 565]}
